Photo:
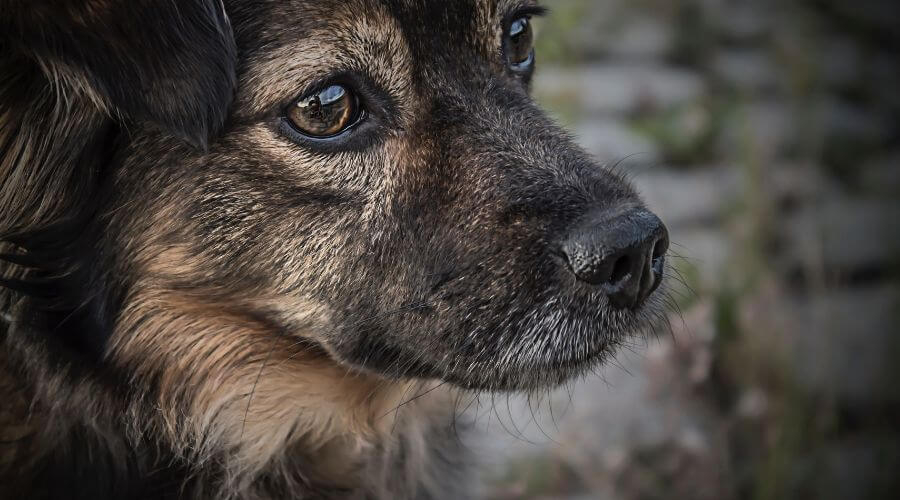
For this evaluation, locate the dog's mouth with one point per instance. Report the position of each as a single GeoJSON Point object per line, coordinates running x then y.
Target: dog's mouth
{"type": "Point", "coordinates": [511, 315]}
{"type": "Point", "coordinates": [504, 343]}
{"type": "Point", "coordinates": [561, 342]}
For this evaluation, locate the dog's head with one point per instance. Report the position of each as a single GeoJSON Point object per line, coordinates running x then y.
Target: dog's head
{"type": "Point", "coordinates": [381, 189]}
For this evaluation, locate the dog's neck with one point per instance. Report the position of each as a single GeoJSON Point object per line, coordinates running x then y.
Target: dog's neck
{"type": "Point", "coordinates": [263, 431]}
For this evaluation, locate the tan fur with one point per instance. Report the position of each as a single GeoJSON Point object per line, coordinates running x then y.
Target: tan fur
{"type": "Point", "coordinates": [256, 392]}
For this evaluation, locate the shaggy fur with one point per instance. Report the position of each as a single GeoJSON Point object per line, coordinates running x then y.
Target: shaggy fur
{"type": "Point", "coordinates": [198, 302]}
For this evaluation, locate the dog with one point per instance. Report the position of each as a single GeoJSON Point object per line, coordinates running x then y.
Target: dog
{"type": "Point", "coordinates": [261, 249]}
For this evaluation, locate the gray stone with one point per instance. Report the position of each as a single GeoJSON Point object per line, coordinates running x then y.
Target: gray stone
{"type": "Point", "coordinates": [848, 122]}
{"type": "Point", "coordinates": [746, 69]}
{"type": "Point", "coordinates": [743, 21]}
{"type": "Point", "coordinates": [620, 88]}
{"type": "Point", "coordinates": [884, 80]}
{"type": "Point", "coordinates": [705, 249]}
{"type": "Point", "coordinates": [610, 141]}
{"type": "Point", "coordinates": [843, 342]}
{"type": "Point", "coordinates": [842, 236]}
{"type": "Point", "coordinates": [800, 184]}
{"type": "Point", "coordinates": [873, 15]}
{"type": "Point", "coordinates": [642, 38]}
{"type": "Point", "coordinates": [840, 63]}
{"type": "Point", "coordinates": [881, 176]}
{"type": "Point", "coordinates": [764, 126]}
{"type": "Point", "coordinates": [856, 467]}
{"type": "Point", "coordinates": [583, 29]}
{"type": "Point", "coordinates": [682, 198]}
{"type": "Point", "coordinates": [752, 404]}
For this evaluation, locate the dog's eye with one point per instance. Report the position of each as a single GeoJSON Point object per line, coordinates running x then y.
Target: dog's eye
{"type": "Point", "coordinates": [520, 44]}
{"type": "Point", "coordinates": [325, 113]}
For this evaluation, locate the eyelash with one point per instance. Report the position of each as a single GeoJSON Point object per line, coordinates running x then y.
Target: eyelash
{"type": "Point", "coordinates": [528, 11]}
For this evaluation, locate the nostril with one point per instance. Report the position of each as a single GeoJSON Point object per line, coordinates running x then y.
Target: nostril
{"type": "Point", "coordinates": [621, 269]}
{"type": "Point", "coordinates": [657, 257]}
{"type": "Point", "coordinates": [659, 249]}
{"type": "Point", "coordinates": [659, 252]}
{"type": "Point", "coordinates": [624, 253]}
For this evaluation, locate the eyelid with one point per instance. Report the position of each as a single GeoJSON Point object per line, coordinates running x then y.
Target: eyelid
{"type": "Point", "coordinates": [525, 11]}
{"type": "Point", "coordinates": [524, 66]}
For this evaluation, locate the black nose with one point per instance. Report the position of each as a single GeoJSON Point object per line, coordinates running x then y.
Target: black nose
{"type": "Point", "coordinates": [624, 254]}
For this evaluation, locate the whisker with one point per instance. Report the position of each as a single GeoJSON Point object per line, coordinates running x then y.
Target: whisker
{"type": "Point", "coordinates": [253, 390]}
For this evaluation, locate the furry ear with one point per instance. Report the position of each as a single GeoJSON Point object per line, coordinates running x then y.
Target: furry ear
{"type": "Point", "coordinates": [170, 63]}
{"type": "Point", "coordinates": [73, 75]}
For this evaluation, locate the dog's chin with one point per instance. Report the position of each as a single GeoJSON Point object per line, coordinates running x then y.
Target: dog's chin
{"type": "Point", "coordinates": [548, 352]}
{"type": "Point", "coordinates": [533, 375]}
{"type": "Point", "coordinates": [545, 370]}
{"type": "Point", "coordinates": [558, 350]}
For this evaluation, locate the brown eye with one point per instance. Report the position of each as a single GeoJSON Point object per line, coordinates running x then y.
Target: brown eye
{"type": "Point", "coordinates": [520, 44]}
{"type": "Point", "coordinates": [325, 113]}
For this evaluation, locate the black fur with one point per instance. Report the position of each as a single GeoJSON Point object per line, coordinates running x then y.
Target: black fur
{"type": "Point", "coordinates": [173, 66]}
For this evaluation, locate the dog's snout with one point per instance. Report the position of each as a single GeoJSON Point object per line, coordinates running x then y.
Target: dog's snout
{"type": "Point", "coordinates": [624, 254]}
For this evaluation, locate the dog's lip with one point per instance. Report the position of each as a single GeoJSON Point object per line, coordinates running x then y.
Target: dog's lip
{"type": "Point", "coordinates": [565, 365]}
{"type": "Point", "coordinates": [558, 371]}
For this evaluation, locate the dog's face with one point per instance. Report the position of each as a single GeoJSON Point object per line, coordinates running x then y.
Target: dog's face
{"type": "Point", "coordinates": [384, 166]}
{"type": "Point", "coordinates": [246, 230]}
{"type": "Point", "coordinates": [384, 192]}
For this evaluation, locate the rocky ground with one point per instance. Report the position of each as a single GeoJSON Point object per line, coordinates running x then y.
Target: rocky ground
{"type": "Point", "coordinates": [765, 133]}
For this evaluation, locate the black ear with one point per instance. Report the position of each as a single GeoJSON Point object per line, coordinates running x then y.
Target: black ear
{"type": "Point", "coordinates": [169, 62]}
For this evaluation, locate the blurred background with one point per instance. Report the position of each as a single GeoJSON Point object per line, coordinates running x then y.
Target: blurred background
{"type": "Point", "coordinates": [765, 134]}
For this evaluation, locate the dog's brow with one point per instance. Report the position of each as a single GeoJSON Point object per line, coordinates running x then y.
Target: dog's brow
{"type": "Point", "coordinates": [506, 6]}
{"type": "Point", "coordinates": [490, 16]}
{"type": "Point", "coordinates": [372, 44]}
